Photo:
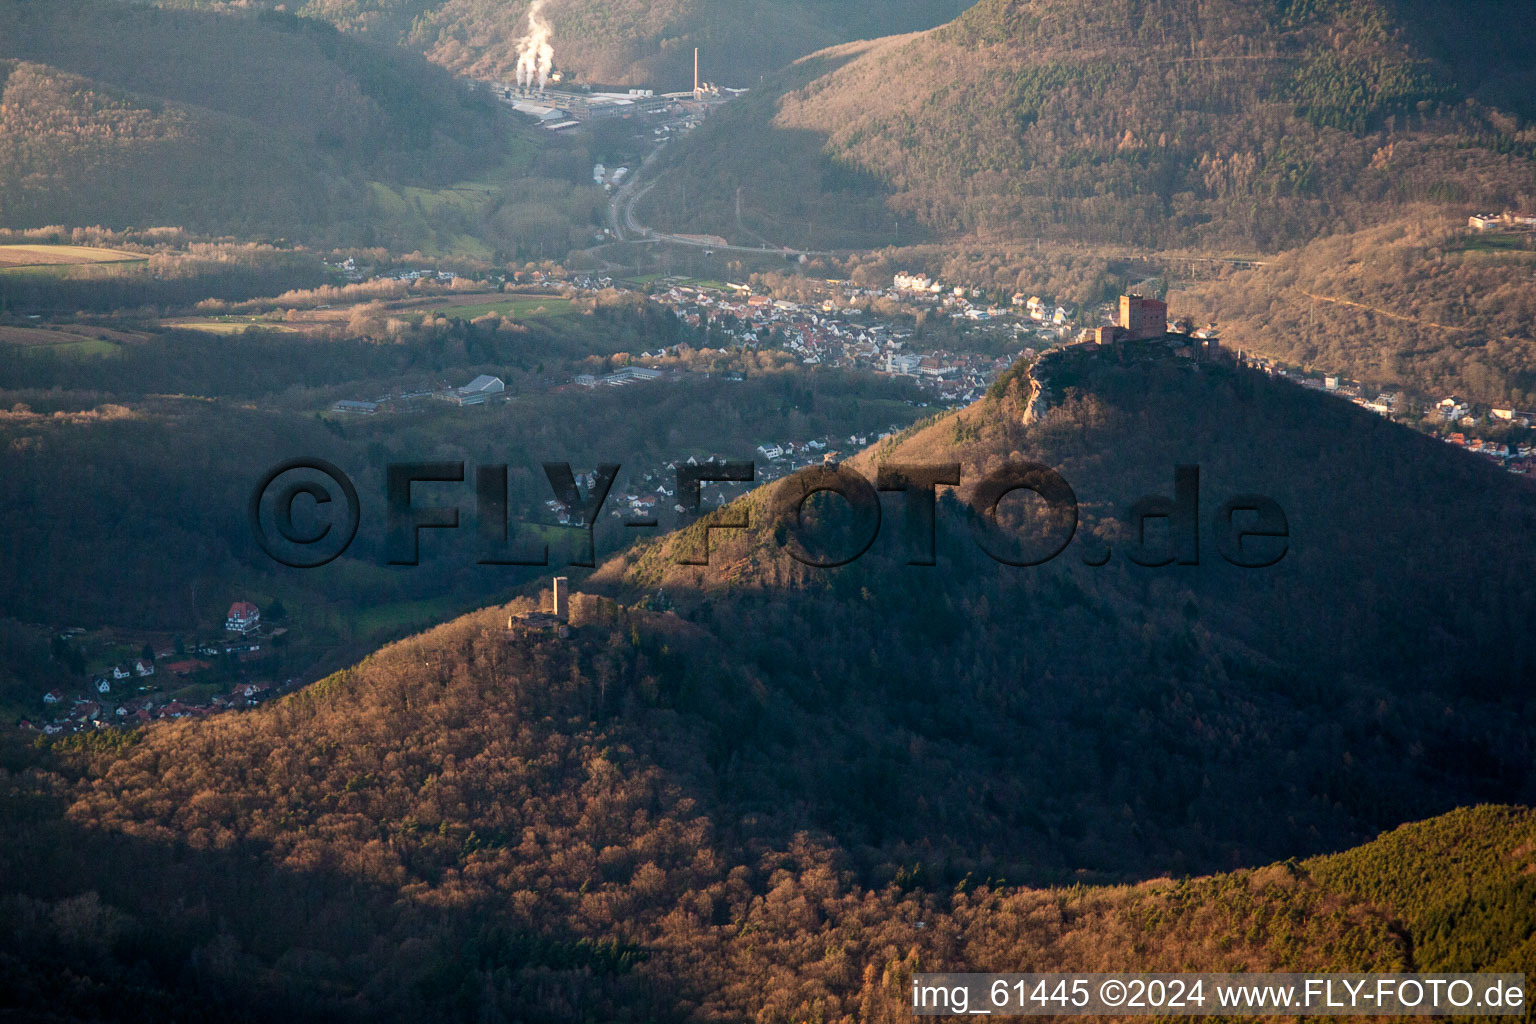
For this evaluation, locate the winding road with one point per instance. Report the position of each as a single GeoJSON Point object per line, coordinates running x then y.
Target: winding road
{"type": "Point", "coordinates": [626, 226]}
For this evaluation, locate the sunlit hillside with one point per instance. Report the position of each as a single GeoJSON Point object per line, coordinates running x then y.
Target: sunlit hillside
{"type": "Point", "coordinates": [1236, 126]}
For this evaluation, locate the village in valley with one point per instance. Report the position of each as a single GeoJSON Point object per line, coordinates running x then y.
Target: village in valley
{"type": "Point", "coordinates": [842, 329]}
{"type": "Point", "coordinates": [164, 679]}
{"type": "Point", "coordinates": [839, 333]}
{"type": "Point", "coordinates": [1508, 440]}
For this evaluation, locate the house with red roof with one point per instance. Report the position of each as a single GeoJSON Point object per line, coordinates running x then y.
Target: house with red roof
{"type": "Point", "coordinates": [243, 617]}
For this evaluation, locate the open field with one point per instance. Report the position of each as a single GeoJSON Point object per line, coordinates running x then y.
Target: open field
{"type": "Point", "coordinates": [398, 615]}
{"type": "Point", "coordinates": [412, 211]}
{"type": "Point", "coordinates": [327, 319]}
{"type": "Point", "coordinates": [1523, 243]}
{"type": "Point", "coordinates": [42, 340]}
{"type": "Point", "coordinates": [228, 324]}
{"type": "Point", "coordinates": [471, 306]}
{"type": "Point", "coordinates": [18, 257]}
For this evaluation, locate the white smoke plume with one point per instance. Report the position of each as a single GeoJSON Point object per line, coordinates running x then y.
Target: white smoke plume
{"type": "Point", "coordinates": [535, 55]}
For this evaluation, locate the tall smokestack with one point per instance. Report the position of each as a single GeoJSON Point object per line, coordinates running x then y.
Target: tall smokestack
{"type": "Point", "coordinates": [695, 72]}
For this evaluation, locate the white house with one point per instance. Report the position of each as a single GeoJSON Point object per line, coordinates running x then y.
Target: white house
{"type": "Point", "coordinates": [143, 668]}
{"type": "Point", "coordinates": [1453, 408]}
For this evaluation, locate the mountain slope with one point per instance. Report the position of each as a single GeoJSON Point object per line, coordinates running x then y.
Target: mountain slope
{"type": "Point", "coordinates": [465, 829]}
{"type": "Point", "coordinates": [1146, 709]}
{"type": "Point", "coordinates": [1424, 303]}
{"type": "Point", "coordinates": [266, 124]}
{"type": "Point", "coordinates": [1238, 124]}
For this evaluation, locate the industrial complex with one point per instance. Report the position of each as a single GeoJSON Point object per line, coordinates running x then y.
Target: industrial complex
{"type": "Point", "coordinates": [558, 107]}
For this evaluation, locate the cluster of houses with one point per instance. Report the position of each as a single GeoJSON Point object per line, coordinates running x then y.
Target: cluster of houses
{"type": "Point", "coordinates": [1039, 310]}
{"type": "Point", "coordinates": [127, 693]}
{"type": "Point", "coordinates": [828, 333]}
{"type": "Point", "coordinates": [1432, 416]}
{"type": "Point", "coordinates": [81, 713]}
{"type": "Point", "coordinates": [349, 269]}
{"type": "Point", "coordinates": [837, 334]}
{"type": "Point", "coordinates": [424, 275]}
{"type": "Point", "coordinates": [1024, 311]}
{"type": "Point", "coordinates": [1517, 458]}
{"type": "Point", "coordinates": [1453, 410]}
{"type": "Point", "coordinates": [1496, 449]}
{"type": "Point", "coordinates": [789, 457]}
{"type": "Point", "coordinates": [831, 332]}
{"type": "Point", "coordinates": [842, 335]}
{"type": "Point", "coordinates": [1383, 403]}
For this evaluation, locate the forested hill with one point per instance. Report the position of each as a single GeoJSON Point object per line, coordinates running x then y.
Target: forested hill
{"type": "Point", "coordinates": [465, 828]}
{"type": "Point", "coordinates": [1421, 302]}
{"type": "Point", "coordinates": [259, 124]}
{"type": "Point", "coordinates": [1234, 124]}
{"type": "Point", "coordinates": [724, 773]}
{"type": "Point", "coordinates": [1175, 716]}
{"type": "Point", "coordinates": [634, 42]}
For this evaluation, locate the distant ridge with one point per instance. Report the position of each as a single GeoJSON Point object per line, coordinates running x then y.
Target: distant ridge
{"type": "Point", "coordinates": [1231, 125]}
{"type": "Point", "coordinates": [258, 125]}
{"type": "Point", "coordinates": [624, 42]}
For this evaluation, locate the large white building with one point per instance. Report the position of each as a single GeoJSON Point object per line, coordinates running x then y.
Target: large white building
{"type": "Point", "coordinates": [904, 282]}
{"type": "Point", "coordinates": [473, 393]}
{"type": "Point", "coordinates": [630, 374]}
